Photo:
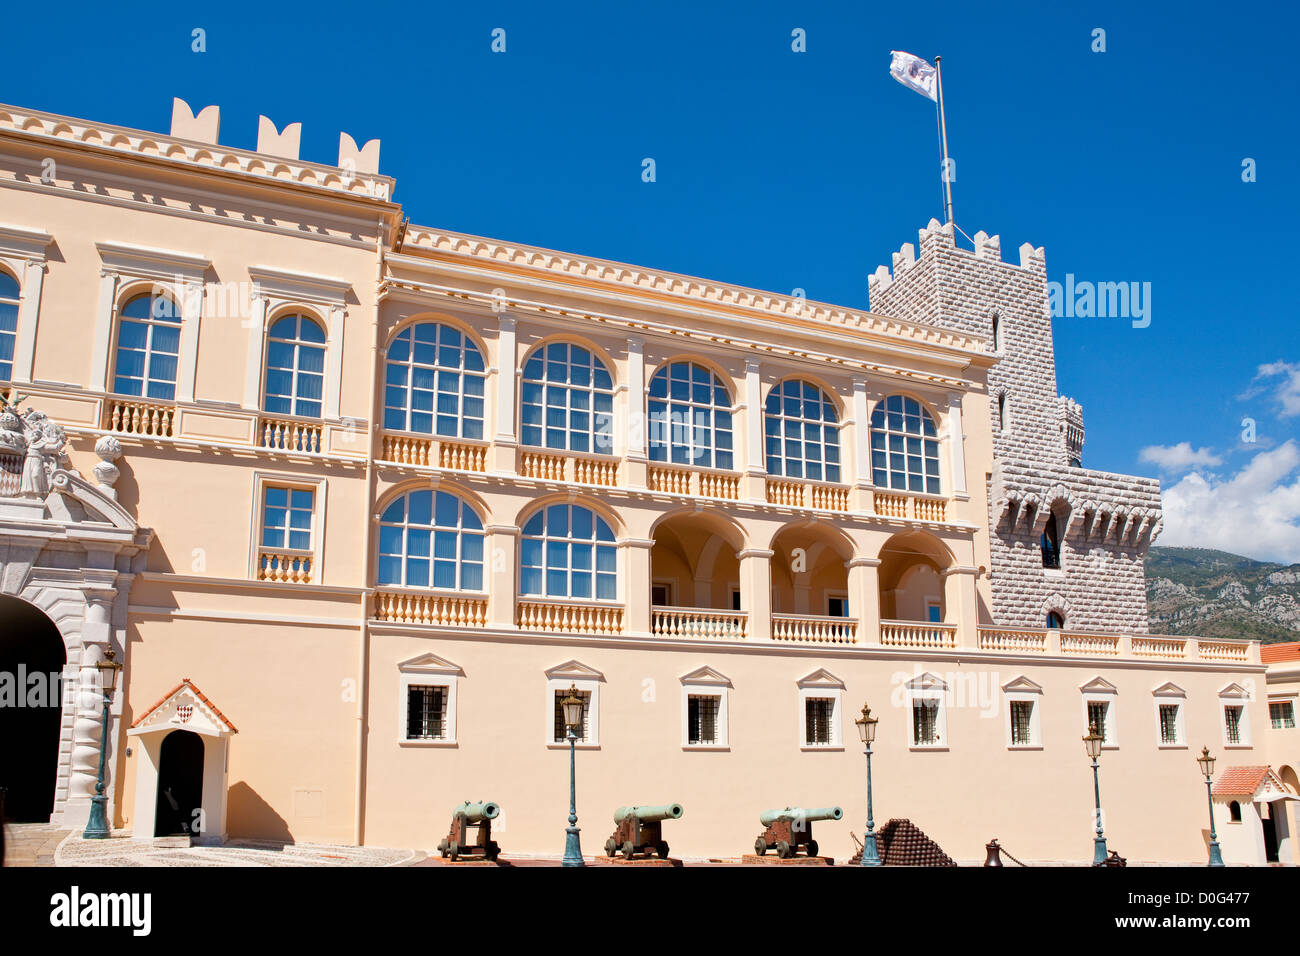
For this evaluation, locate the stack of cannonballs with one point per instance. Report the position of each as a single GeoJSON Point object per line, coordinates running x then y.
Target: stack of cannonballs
{"type": "Point", "coordinates": [902, 843]}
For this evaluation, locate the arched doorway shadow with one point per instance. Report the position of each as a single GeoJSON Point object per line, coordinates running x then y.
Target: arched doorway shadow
{"type": "Point", "coordinates": [180, 785]}
{"type": "Point", "coordinates": [32, 656]}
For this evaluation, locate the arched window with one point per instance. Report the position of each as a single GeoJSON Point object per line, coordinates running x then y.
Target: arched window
{"type": "Point", "coordinates": [148, 342]}
{"type": "Point", "coordinates": [1055, 620]}
{"type": "Point", "coordinates": [904, 446]}
{"type": "Point", "coordinates": [803, 434]}
{"type": "Point", "coordinates": [1234, 811]}
{"type": "Point", "coordinates": [997, 332]}
{"type": "Point", "coordinates": [567, 400]}
{"type": "Point", "coordinates": [295, 367]}
{"type": "Point", "coordinates": [1050, 543]}
{"type": "Point", "coordinates": [568, 551]}
{"type": "Point", "coordinates": [1002, 412]}
{"type": "Point", "coordinates": [433, 382]}
{"type": "Point", "coordinates": [690, 417]}
{"type": "Point", "coordinates": [8, 324]}
{"type": "Point", "coordinates": [429, 538]}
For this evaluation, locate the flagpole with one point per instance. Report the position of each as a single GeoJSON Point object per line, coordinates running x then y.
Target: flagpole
{"type": "Point", "coordinates": [943, 134]}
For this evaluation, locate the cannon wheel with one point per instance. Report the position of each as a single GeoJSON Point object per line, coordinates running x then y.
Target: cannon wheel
{"type": "Point", "coordinates": [492, 850]}
{"type": "Point", "coordinates": [760, 846]}
{"type": "Point", "coordinates": [662, 849]}
{"type": "Point", "coordinates": [442, 848]}
{"type": "Point", "coordinates": [629, 848]}
{"type": "Point", "coordinates": [611, 848]}
{"type": "Point", "coordinates": [782, 850]}
{"type": "Point", "coordinates": [453, 849]}
{"type": "Point", "coordinates": [812, 847]}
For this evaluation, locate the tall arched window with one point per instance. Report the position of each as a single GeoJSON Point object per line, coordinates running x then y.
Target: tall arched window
{"type": "Point", "coordinates": [8, 324]}
{"type": "Point", "coordinates": [567, 400]}
{"type": "Point", "coordinates": [431, 538]}
{"type": "Point", "coordinates": [1002, 412]}
{"type": "Point", "coordinates": [1055, 620]}
{"type": "Point", "coordinates": [433, 382]}
{"type": "Point", "coordinates": [803, 434]}
{"type": "Point", "coordinates": [690, 417]}
{"type": "Point", "coordinates": [1050, 543]}
{"type": "Point", "coordinates": [904, 446]}
{"type": "Point", "coordinates": [568, 551]}
{"type": "Point", "coordinates": [148, 342]}
{"type": "Point", "coordinates": [295, 367]}
{"type": "Point", "coordinates": [997, 332]}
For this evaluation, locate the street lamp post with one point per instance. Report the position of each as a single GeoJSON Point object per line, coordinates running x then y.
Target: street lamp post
{"type": "Point", "coordinates": [572, 707]}
{"type": "Point", "coordinates": [97, 824]}
{"type": "Point", "coordinates": [1207, 768]}
{"type": "Point", "coordinates": [867, 731]}
{"type": "Point", "coordinates": [1092, 743]}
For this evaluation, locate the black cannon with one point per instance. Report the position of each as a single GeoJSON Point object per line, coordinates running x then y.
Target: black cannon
{"type": "Point", "coordinates": [791, 828]}
{"type": "Point", "coordinates": [479, 816]}
{"type": "Point", "coordinates": [639, 830]}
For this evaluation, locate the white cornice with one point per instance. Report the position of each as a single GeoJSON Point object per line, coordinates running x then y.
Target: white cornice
{"type": "Point", "coordinates": [208, 157]}
{"type": "Point", "coordinates": [324, 290]}
{"type": "Point", "coordinates": [154, 263]}
{"type": "Point", "coordinates": [24, 243]}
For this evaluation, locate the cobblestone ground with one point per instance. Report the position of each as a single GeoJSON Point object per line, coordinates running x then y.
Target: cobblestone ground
{"type": "Point", "coordinates": [125, 852]}
{"type": "Point", "coordinates": [32, 844]}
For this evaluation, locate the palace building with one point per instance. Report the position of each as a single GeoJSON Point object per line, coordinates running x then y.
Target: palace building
{"type": "Point", "coordinates": [357, 501]}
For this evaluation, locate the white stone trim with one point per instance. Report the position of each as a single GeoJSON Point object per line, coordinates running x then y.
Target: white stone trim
{"type": "Point", "coordinates": [560, 678]}
{"type": "Point", "coordinates": [821, 683]}
{"type": "Point", "coordinates": [428, 670]}
{"type": "Point", "coordinates": [318, 487]}
{"type": "Point", "coordinates": [706, 682]}
{"type": "Point", "coordinates": [1168, 694]}
{"type": "Point", "coordinates": [1100, 690]}
{"type": "Point", "coordinates": [1024, 689]}
{"type": "Point", "coordinates": [927, 686]}
{"type": "Point", "coordinates": [1234, 695]}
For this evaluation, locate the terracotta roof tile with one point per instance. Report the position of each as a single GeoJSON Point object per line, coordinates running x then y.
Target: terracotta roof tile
{"type": "Point", "coordinates": [197, 693]}
{"type": "Point", "coordinates": [1286, 651]}
{"type": "Point", "coordinates": [1235, 781]}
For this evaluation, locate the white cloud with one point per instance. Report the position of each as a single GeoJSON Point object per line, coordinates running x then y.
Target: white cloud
{"type": "Point", "coordinates": [1288, 390]}
{"type": "Point", "coordinates": [1256, 512]}
{"type": "Point", "coordinates": [1178, 457]}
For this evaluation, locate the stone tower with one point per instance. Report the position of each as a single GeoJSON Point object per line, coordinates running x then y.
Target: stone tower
{"type": "Point", "coordinates": [1065, 540]}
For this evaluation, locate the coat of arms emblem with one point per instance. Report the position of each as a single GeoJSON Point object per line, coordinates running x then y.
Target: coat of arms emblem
{"type": "Point", "coordinates": [184, 712]}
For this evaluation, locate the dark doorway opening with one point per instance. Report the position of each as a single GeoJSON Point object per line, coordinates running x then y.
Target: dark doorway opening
{"type": "Point", "coordinates": [1270, 833]}
{"type": "Point", "coordinates": [180, 784]}
{"type": "Point", "coordinates": [31, 689]}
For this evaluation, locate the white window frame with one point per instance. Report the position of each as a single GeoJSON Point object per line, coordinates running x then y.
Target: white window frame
{"type": "Point", "coordinates": [706, 682]}
{"type": "Point", "coordinates": [262, 479]}
{"type": "Point", "coordinates": [23, 252]}
{"type": "Point", "coordinates": [428, 670]}
{"type": "Point", "coordinates": [277, 292]}
{"type": "Point", "coordinates": [1283, 699]}
{"type": "Point", "coordinates": [1102, 691]}
{"type": "Point", "coordinates": [561, 678]}
{"type": "Point", "coordinates": [821, 683]}
{"type": "Point", "coordinates": [126, 271]}
{"type": "Point", "coordinates": [927, 687]}
{"type": "Point", "coordinates": [1022, 689]}
{"type": "Point", "coordinates": [1234, 695]}
{"type": "Point", "coordinates": [1167, 695]}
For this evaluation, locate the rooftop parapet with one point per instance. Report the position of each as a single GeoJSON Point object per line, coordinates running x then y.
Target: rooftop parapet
{"type": "Point", "coordinates": [935, 236]}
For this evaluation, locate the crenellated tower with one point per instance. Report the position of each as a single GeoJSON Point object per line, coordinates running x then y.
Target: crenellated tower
{"type": "Point", "coordinates": [1064, 540]}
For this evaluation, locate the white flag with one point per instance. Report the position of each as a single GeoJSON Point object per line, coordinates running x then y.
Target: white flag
{"type": "Point", "coordinates": [914, 73]}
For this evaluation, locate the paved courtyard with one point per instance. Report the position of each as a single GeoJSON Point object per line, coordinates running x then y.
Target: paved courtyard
{"type": "Point", "coordinates": [125, 852]}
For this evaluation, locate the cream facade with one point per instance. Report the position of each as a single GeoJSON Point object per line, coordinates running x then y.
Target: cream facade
{"type": "Point", "coordinates": [365, 496]}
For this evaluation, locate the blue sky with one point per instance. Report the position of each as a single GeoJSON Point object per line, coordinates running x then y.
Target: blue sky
{"type": "Point", "coordinates": [787, 170]}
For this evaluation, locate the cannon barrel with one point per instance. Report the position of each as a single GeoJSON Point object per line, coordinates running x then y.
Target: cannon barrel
{"type": "Point", "coordinates": [669, 811]}
{"type": "Point", "coordinates": [768, 817]}
{"type": "Point", "coordinates": [477, 812]}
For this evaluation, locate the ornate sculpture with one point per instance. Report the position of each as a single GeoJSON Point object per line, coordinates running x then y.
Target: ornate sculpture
{"type": "Point", "coordinates": [109, 450]}
{"type": "Point", "coordinates": [40, 442]}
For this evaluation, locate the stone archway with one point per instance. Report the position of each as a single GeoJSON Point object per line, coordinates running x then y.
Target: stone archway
{"type": "Point", "coordinates": [69, 549]}
{"type": "Point", "coordinates": [32, 656]}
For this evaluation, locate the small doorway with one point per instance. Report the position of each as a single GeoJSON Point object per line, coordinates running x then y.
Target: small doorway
{"type": "Point", "coordinates": [180, 785]}
{"type": "Point", "coordinates": [1269, 822]}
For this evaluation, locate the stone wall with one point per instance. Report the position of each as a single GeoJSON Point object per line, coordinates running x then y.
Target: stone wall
{"type": "Point", "coordinates": [1108, 521]}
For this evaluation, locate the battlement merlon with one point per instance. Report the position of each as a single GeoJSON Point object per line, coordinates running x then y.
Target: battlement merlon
{"type": "Point", "coordinates": [935, 236]}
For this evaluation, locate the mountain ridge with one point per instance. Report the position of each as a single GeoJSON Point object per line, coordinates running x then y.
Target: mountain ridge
{"type": "Point", "coordinates": [1202, 592]}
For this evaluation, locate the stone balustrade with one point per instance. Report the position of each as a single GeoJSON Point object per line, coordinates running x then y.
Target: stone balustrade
{"type": "Point", "coordinates": [413, 607]}
{"type": "Point", "coordinates": [814, 629]}
{"type": "Point", "coordinates": [696, 622]}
